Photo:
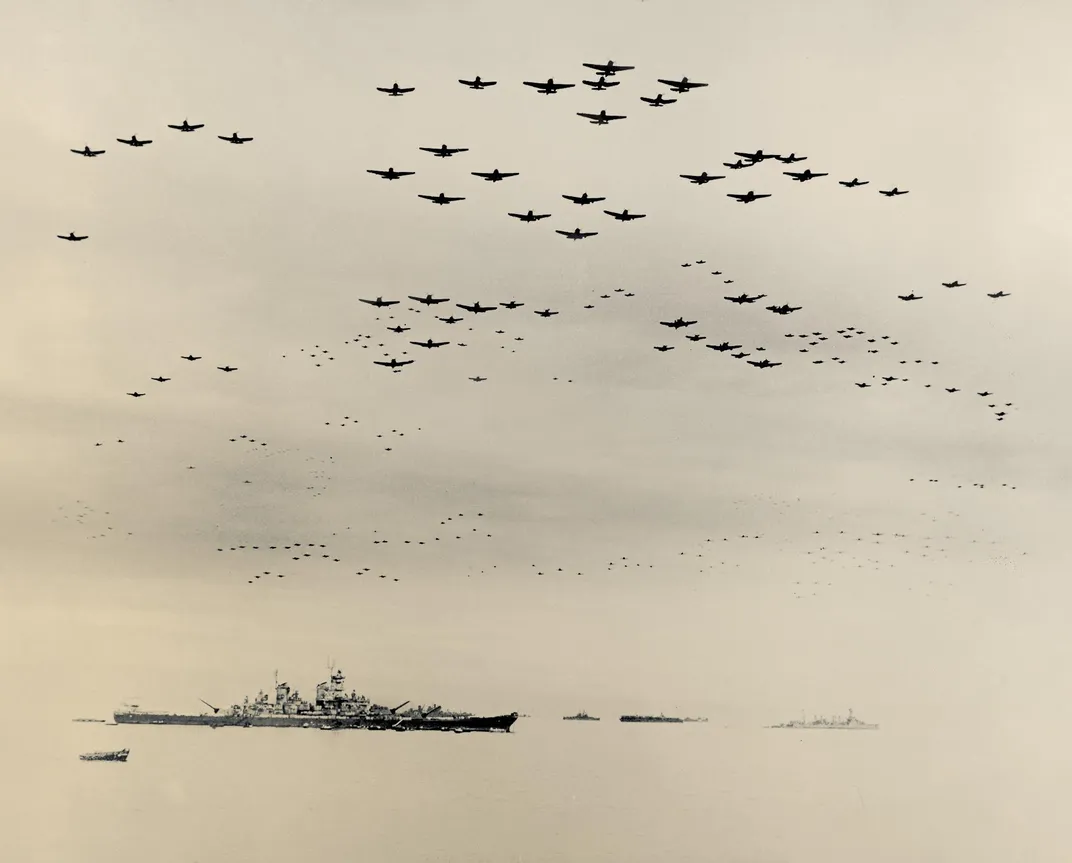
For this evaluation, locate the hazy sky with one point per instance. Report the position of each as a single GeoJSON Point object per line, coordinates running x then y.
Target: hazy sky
{"type": "Point", "coordinates": [860, 583]}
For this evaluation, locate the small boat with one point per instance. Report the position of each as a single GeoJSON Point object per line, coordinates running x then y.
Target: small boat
{"type": "Point", "coordinates": [117, 755]}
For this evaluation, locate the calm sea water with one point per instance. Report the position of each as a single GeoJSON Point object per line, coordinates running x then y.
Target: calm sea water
{"type": "Point", "coordinates": [549, 791]}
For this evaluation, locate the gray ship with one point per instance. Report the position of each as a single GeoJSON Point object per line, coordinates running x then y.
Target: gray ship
{"type": "Point", "coordinates": [582, 717]}
{"type": "Point", "coordinates": [836, 723]}
{"type": "Point", "coordinates": [332, 709]}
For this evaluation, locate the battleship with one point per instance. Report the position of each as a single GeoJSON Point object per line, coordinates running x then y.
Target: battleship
{"type": "Point", "coordinates": [659, 718]}
{"type": "Point", "coordinates": [118, 755]}
{"type": "Point", "coordinates": [332, 709]}
{"type": "Point", "coordinates": [582, 717]}
{"type": "Point", "coordinates": [837, 723]}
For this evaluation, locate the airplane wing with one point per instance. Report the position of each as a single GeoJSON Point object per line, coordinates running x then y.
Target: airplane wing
{"type": "Point", "coordinates": [198, 126]}
{"type": "Point", "coordinates": [738, 197]}
{"type": "Point", "coordinates": [667, 81]}
{"type": "Point", "coordinates": [378, 173]}
{"type": "Point", "coordinates": [588, 116]}
{"type": "Point", "coordinates": [534, 84]}
{"type": "Point", "coordinates": [589, 234]}
{"type": "Point", "coordinates": [173, 127]}
{"type": "Point", "coordinates": [612, 213]}
{"type": "Point", "coordinates": [509, 174]}
{"type": "Point", "coordinates": [429, 197]}
{"type": "Point", "coordinates": [449, 200]}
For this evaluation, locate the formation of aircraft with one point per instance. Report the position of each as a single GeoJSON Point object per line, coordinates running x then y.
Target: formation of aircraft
{"type": "Point", "coordinates": [395, 90]}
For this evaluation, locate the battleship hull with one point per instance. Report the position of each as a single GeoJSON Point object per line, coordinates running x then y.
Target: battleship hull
{"type": "Point", "coordinates": [651, 719]}
{"type": "Point", "coordinates": [468, 723]}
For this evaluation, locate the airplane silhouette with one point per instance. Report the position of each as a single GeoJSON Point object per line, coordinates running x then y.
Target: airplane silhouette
{"type": "Point", "coordinates": [133, 141]}
{"type": "Point", "coordinates": [783, 309]}
{"type": "Point", "coordinates": [757, 156]}
{"type": "Point", "coordinates": [227, 368]}
{"type": "Point", "coordinates": [476, 83]}
{"type": "Point", "coordinates": [493, 177]}
{"type": "Point", "coordinates": [744, 298]}
{"type": "Point", "coordinates": [893, 192]}
{"type": "Point", "coordinates": [444, 151]}
{"type": "Point", "coordinates": [677, 324]}
{"type": "Point", "coordinates": [663, 348]}
{"type": "Point", "coordinates": [513, 304]}
{"type": "Point", "coordinates": [72, 237]}
{"type": "Point", "coordinates": [136, 394]}
{"type": "Point", "coordinates": [682, 86]}
{"type": "Point", "coordinates": [577, 234]}
{"type": "Point", "coordinates": [440, 199]}
{"type": "Point", "coordinates": [429, 344]}
{"type": "Point", "coordinates": [476, 308]}
{"type": "Point", "coordinates": [391, 173]}
{"type": "Point", "coordinates": [548, 88]}
{"type": "Point", "coordinates": [380, 302]}
{"type": "Point", "coordinates": [88, 152]}
{"type": "Point", "coordinates": [658, 101]}
{"type": "Point", "coordinates": [395, 90]}
{"type": "Point", "coordinates": [849, 184]}
{"type": "Point", "coordinates": [600, 119]}
{"type": "Point", "coordinates": [953, 284]}
{"type": "Point", "coordinates": [160, 379]}
{"type": "Point", "coordinates": [478, 379]}
{"type": "Point", "coordinates": [624, 215]}
{"type": "Point", "coordinates": [763, 364]}
{"type": "Point", "coordinates": [998, 295]}
{"type": "Point", "coordinates": [430, 300]}
{"type": "Point", "coordinates": [583, 199]}
{"type": "Point", "coordinates": [393, 364]}
{"type": "Point", "coordinates": [803, 176]}
{"type": "Point", "coordinates": [546, 313]}
{"type": "Point", "coordinates": [234, 139]}
{"type": "Point", "coordinates": [398, 329]}
{"type": "Point", "coordinates": [529, 216]}
{"type": "Point", "coordinates": [608, 68]}
{"type": "Point", "coordinates": [186, 127]}
{"type": "Point", "coordinates": [748, 197]}
{"type": "Point", "coordinates": [724, 346]}
{"type": "Point", "coordinates": [190, 357]}
{"type": "Point", "coordinates": [449, 320]}
{"type": "Point", "coordinates": [700, 179]}
{"type": "Point", "coordinates": [601, 84]}
{"type": "Point", "coordinates": [790, 159]}
{"type": "Point", "coordinates": [908, 297]}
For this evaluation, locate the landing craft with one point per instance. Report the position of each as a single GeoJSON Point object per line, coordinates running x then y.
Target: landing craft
{"type": "Point", "coordinates": [548, 88]}
{"type": "Point", "coordinates": [395, 90]}
{"type": "Point", "coordinates": [234, 139]}
{"type": "Point", "coordinates": [600, 119]}
{"type": "Point", "coordinates": [391, 173]}
{"type": "Point", "coordinates": [682, 86]}
{"type": "Point", "coordinates": [185, 126]}
{"type": "Point", "coordinates": [700, 179]}
{"type": "Point", "coordinates": [440, 199]}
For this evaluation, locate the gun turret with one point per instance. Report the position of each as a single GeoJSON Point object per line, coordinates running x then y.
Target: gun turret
{"type": "Point", "coordinates": [214, 709]}
{"type": "Point", "coordinates": [434, 709]}
{"type": "Point", "coordinates": [400, 706]}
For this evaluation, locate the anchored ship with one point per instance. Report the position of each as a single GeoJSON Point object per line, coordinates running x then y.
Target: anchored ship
{"type": "Point", "coordinates": [332, 709]}
{"type": "Point", "coordinates": [659, 718]}
{"type": "Point", "coordinates": [118, 755]}
{"type": "Point", "coordinates": [848, 723]}
{"type": "Point", "coordinates": [582, 716]}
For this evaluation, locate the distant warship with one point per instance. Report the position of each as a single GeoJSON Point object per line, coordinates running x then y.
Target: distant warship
{"type": "Point", "coordinates": [837, 723]}
{"type": "Point", "coordinates": [582, 716]}
{"type": "Point", "coordinates": [333, 709]}
{"type": "Point", "coordinates": [659, 718]}
{"type": "Point", "coordinates": [118, 755]}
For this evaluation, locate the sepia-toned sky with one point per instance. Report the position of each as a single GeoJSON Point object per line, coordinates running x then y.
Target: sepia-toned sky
{"type": "Point", "coordinates": [673, 530]}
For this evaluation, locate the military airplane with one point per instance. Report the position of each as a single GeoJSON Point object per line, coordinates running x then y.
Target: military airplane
{"type": "Point", "coordinates": [998, 295]}
{"type": "Point", "coordinates": [530, 216]}
{"type": "Point", "coordinates": [744, 298]}
{"type": "Point", "coordinates": [430, 300]}
{"type": "Point", "coordinates": [863, 386]}
{"type": "Point", "coordinates": [890, 193]}
{"type": "Point", "coordinates": [88, 152]}
{"type": "Point", "coordinates": [189, 357]}
{"type": "Point", "coordinates": [658, 101]}
{"type": "Point", "coordinates": [476, 83]}
{"type": "Point", "coordinates": [476, 308]}
{"type": "Point", "coordinates": [724, 346]}
{"type": "Point", "coordinates": [849, 184]}
{"type": "Point", "coordinates": [546, 313]}
{"type": "Point", "coordinates": [133, 141]}
{"type": "Point", "coordinates": [763, 364]}
{"type": "Point", "coordinates": [682, 86]}
{"type": "Point", "coordinates": [740, 355]}
{"type": "Point", "coordinates": [663, 348]}
{"type": "Point", "coordinates": [601, 84]}
{"type": "Point", "coordinates": [449, 320]}
{"type": "Point", "coordinates": [160, 380]}
{"type": "Point", "coordinates": [234, 139]}
{"type": "Point", "coordinates": [577, 234]}
{"type": "Point", "coordinates": [72, 237]}
{"type": "Point", "coordinates": [185, 126]}
{"type": "Point", "coordinates": [513, 304]}
{"type": "Point", "coordinates": [738, 165]}
{"type": "Point", "coordinates": [677, 324]}
{"type": "Point", "coordinates": [607, 68]}
{"type": "Point", "coordinates": [952, 390]}
{"type": "Point", "coordinates": [696, 337]}
{"type": "Point", "coordinates": [136, 394]}
{"type": "Point", "coordinates": [440, 199]}
{"type": "Point", "coordinates": [803, 176]}
{"type": "Point", "coordinates": [478, 379]}
{"type": "Point", "coordinates": [444, 151]}
{"type": "Point", "coordinates": [748, 197]}
{"type": "Point", "coordinates": [700, 179]}
{"type": "Point", "coordinates": [395, 90]}
{"type": "Point", "coordinates": [790, 159]}
{"type": "Point", "coordinates": [953, 284]}
{"type": "Point", "coordinates": [429, 344]}
{"type": "Point", "coordinates": [600, 119]}
{"type": "Point", "coordinates": [908, 297]}
{"type": "Point", "coordinates": [398, 329]}
{"type": "Point", "coordinates": [380, 302]}
{"type": "Point", "coordinates": [227, 368]}
{"type": "Point", "coordinates": [390, 173]}
{"type": "Point", "coordinates": [494, 176]}
{"type": "Point", "coordinates": [624, 215]}
{"type": "Point", "coordinates": [548, 88]}
{"type": "Point", "coordinates": [583, 199]}
{"type": "Point", "coordinates": [393, 364]}
{"type": "Point", "coordinates": [757, 156]}
{"type": "Point", "coordinates": [783, 309]}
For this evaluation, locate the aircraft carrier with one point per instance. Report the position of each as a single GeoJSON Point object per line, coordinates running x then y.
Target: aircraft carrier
{"type": "Point", "coordinates": [332, 709]}
{"type": "Point", "coordinates": [836, 723]}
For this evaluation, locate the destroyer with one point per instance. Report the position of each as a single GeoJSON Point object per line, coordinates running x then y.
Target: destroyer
{"type": "Point", "coordinates": [332, 709]}
{"type": "Point", "coordinates": [659, 718]}
{"type": "Point", "coordinates": [837, 723]}
{"type": "Point", "coordinates": [118, 755]}
{"type": "Point", "coordinates": [582, 717]}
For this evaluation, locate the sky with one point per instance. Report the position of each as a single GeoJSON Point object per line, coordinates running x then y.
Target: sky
{"type": "Point", "coordinates": [598, 524]}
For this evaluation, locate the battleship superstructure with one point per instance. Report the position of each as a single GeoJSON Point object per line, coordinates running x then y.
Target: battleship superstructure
{"type": "Point", "coordinates": [583, 717]}
{"type": "Point", "coordinates": [333, 708]}
{"type": "Point", "coordinates": [837, 723]}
